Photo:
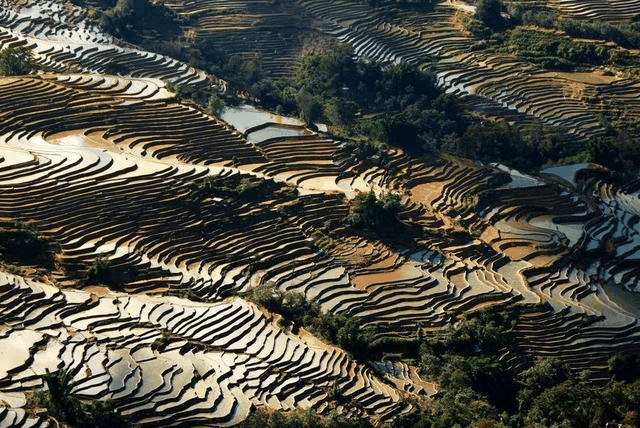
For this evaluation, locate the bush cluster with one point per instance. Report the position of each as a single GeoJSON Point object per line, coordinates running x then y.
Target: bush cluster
{"type": "Point", "coordinates": [371, 212]}
{"type": "Point", "coordinates": [17, 61]}
{"type": "Point", "coordinates": [131, 19]}
{"type": "Point", "coordinates": [264, 419]}
{"type": "Point", "coordinates": [297, 311]}
{"type": "Point", "coordinates": [478, 389]}
{"type": "Point", "coordinates": [61, 403]}
{"type": "Point", "coordinates": [626, 35]}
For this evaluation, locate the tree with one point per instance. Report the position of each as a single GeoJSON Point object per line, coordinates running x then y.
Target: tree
{"type": "Point", "coordinates": [16, 61]}
{"type": "Point", "coordinates": [100, 269]}
{"type": "Point", "coordinates": [545, 374]}
{"type": "Point", "coordinates": [293, 306]}
{"type": "Point", "coordinates": [59, 399]}
{"type": "Point", "coordinates": [368, 211]}
{"type": "Point", "coordinates": [624, 366]}
{"type": "Point", "coordinates": [569, 404]}
{"type": "Point", "coordinates": [459, 408]}
{"type": "Point", "coordinates": [489, 12]}
{"type": "Point", "coordinates": [310, 107]}
{"type": "Point", "coordinates": [354, 338]}
{"type": "Point", "coordinates": [64, 405]}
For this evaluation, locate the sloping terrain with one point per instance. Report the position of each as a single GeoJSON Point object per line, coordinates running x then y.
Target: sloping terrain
{"type": "Point", "coordinates": [192, 211]}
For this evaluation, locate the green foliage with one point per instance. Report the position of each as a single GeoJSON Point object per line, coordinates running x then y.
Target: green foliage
{"type": "Point", "coordinates": [489, 12]}
{"type": "Point", "coordinates": [367, 211]}
{"type": "Point", "coordinates": [368, 152]}
{"type": "Point", "coordinates": [555, 50]}
{"type": "Point", "coordinates": [17, 61]}
{"type": "Point", "coordinates": [460, 408]}
{"type": "Point", "coordinates": [545, 374]}
{"type": "Point", "coordinates": [620, 402]}
{"type": "Point", "coordinates": [478, 390]}
{"type": "Point", "coordinates": [291, 305]}
{"type": "Point", "coordinates": [244, 187]}
{"type": "Point", "coordinates": [527, 149]}
{"type": "Point", "coordinates": [533, 14]}
{"type": "Point", "coordinates": [130, 19]}
{"type": "Point", "coordinates": [346, 332]}
{"type": "Point", "coordinates": [297, 311]}
{"type": "Point", "coordinates": [624, 34]}
{"type": "Point", "coordinates": [162, 342]}
{"type": "Point", "coordinates": [625, 366]}
{"type": "Point", "coordinates": [101, 272]}
{"type": "Point", "coordinates": [240, 71]}
{"type": "Point", "coordinates": [62, 404]}
{"type": "Point", "coordinates": [100, 268]}
{"type": "Point", "coordinates": [353, 337]}
{"type": "Point", "coordinates": [214, 103]}
{"type": "Point", "coordinates": [60, 399]}
{"type": "Point", "coordinates": [552, 50]}
{"type": "Point", "coordinates": [394, 104]}
{"type": "Point", "coordinates": [264, 419]}
{"type": "Point", "coordinates": [466, 356]}
{"type": "Point", "coordinates": [569, 404]}
{"type": "Point", "coordinates": [619, 152]}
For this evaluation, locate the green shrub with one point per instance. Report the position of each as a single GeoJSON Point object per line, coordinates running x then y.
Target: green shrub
{"type": "Point", "coordinates": [624, 34]}
{"type": "Point", "coordinates": [293, 306]}
{"type": "Point", "coordinates": [346, 332]}
{"type": "Point", "coordinates": [367, 211]}
{"type": "Point", "coordinates": [17, 61]}
{"type": "Point", "coordinates": [625, 366]}
{"type": "Point", "coordinates": [62, 404]}
{"type": "Point", "coordinates": [570, 404]}
{"type": "Point", "coordinates": [100, 268]}
{"type": "Point", "coordinates": [130, 19]}
{"type": "Point", "coordinates": [489, 12]}
{"type": "Point", "coordinates": [102, 272]}
{"type": "Point", "coordinates": [262, 418]}
{"type": "Point", "coordinates": [545, 374]}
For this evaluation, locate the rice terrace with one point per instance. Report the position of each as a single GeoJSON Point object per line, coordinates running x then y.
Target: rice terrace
{"type": "Point", "coordinates": [320, 213]}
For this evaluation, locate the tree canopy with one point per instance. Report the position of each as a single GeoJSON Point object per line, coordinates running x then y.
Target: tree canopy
{"type": "Point", "coordinates": [17, 61]}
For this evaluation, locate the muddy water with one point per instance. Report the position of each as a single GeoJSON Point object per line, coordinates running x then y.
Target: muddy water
{"type": "Point", "coordinates": [403, 272]}
{"type": "Point", "coordinates": [427, 192]}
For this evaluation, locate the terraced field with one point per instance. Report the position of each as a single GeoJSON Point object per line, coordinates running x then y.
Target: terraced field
{"type": "Point", "coordinates": [193, 211]}
{"type": "Point", "coordinates": [273, 32]}
{"type": "Point", "coordinates": [502, 82]}
{"type": "Point", "coordinates": [610, 11]}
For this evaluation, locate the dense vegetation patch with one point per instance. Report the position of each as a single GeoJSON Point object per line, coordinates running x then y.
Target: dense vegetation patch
{"type": "Point", "coordinates": [265, 419]}
{"type": "Point", "coordinates": [369, 211]}
{"type": "Point", "coordinates": [61, 403]}
{"type": "Point", "coordinates": [393, 104]}
{"type": "Point", "coordinates": [339, 329]}
{"type": "Point", "coordinates": [130, 20]}
{"type": "Point", "coordinates": [17, 61]}
{"type": "Point", "coordinates": [243, 187]}
{"type": "Point", "coordinates": [555, 50]}
{"type": "Point", "coordinates": [378, 106]}
{"type": "Point", "coordinates": [476, 387]}
{"type": "Point", "coordinates": [400, 105]}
